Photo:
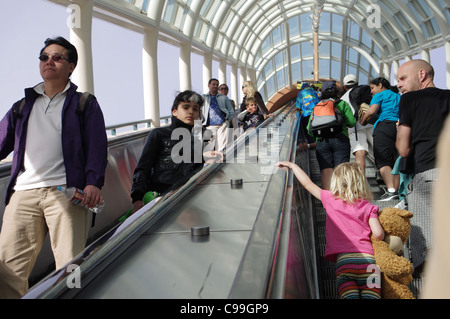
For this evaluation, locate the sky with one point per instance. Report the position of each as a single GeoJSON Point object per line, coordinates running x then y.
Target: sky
{"type": "Point", "coordinates": [117, 59]}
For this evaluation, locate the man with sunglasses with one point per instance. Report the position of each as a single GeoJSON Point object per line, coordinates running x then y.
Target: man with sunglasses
{"type": "Point", "coordinates": [54, 143]}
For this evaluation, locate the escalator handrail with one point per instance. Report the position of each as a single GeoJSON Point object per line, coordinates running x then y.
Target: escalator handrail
{"type": "Point", "coordinates": [103, 251]}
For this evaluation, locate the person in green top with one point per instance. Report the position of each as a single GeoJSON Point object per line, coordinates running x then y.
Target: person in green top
{"type": "Point", "coordinates": [331, 152]}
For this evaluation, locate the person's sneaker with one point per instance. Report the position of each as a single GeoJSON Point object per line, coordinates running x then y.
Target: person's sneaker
{"type": "Point", "coordinates": [388, 196]}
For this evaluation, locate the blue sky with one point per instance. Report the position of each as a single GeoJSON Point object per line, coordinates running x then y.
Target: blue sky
{"type": "Point", "coordinates": [117, 53]}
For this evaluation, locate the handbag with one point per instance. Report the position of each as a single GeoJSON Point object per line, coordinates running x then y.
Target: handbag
{"type": "Point", "coordinates": [363, 108]}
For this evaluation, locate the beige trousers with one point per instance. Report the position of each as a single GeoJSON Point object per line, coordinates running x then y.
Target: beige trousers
{"type": "Point", "coordinates": [222, 135]}
{"type": "Point", "coordinates": [28, 217]}
{"type": "Point", "coordinates": [9, 283]}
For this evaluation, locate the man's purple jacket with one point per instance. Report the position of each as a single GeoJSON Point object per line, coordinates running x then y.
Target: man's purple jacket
{"type": "Point", "coordinates": [84, 141]}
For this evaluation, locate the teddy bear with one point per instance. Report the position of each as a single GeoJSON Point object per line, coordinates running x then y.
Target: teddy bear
{"type": "Point", "coordinates": [396, 270]}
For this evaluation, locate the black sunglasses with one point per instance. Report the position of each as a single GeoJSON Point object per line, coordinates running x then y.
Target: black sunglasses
{"type": "Point", "coordinates": [55, 57]}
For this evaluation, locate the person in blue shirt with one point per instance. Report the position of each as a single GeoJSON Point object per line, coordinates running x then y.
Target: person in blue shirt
{"type": "Point", "coordinates": [385, 102]}
{"type": "Point", "coordinates": [307, 98]}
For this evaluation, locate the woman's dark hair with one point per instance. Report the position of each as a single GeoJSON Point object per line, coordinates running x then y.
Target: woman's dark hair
{"type": "Point", "coordinates": [188, 96]}
{"type": "Point", "coordinates": [71, 50]}
{"type": "Point", "coordinates": [383, 81]}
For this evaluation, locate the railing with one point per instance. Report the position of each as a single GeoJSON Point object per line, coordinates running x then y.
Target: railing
{"type": "Point", "coordinates": [268, 239]}
{"type": "Point", "coordinates": [135, 125]}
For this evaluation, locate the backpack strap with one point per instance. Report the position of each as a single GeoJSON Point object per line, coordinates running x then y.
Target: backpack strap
{"type": "Point", "coordinates": [85, 96]}
{"type": "Point", "coordinates": [17, 109]}
{"type": "Point", "coordinates": [336, 102]}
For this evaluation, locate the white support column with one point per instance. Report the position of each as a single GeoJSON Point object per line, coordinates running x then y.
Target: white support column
{"type": "Point", "coordinates": [244, 75]}
{"type": "Point", "coordinates": [447, 58]}
{"type": "Point", "coordinates": [207, 70]}
{"type": "Point", "coordinates": [150, 76]}
{"type": "Point", "coordinates": [395, 66]}
{"type": "Point", "coordinates": [185, 67]}
{"type": "Point", "coordinates": [252, 76]}
{"type": "Point", "coordinates": [80, 23]}
{"type": "Point", "coordinates": [426, 55]}
{"type": "Point", "coordinates": [386, 70]}
{"type": "Point", "coordinates": [234, 85]}
{"type": "Point", "coordinates": [243, 78]}
{"type": "Point", "coordinates": [316, 54]}
{"type": "Point", "coordinates": [223, 71]}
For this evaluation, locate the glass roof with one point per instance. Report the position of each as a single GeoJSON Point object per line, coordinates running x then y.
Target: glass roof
{"type": "Point", "coordinates": [274, 38]}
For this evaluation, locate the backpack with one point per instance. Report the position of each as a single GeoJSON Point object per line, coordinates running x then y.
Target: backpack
{"type": "Point", "coordinates": [84, 98]}
{"type": "Point", "coordinates": [326, 120]}
{"type": "Point", "coordinates": [361, 95]}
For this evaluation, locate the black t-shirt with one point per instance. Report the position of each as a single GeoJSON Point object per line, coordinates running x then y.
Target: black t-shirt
{"type": "Point", "coordinates": [252, 120]}
{"type": "Point", "coordinates": [425, 112]}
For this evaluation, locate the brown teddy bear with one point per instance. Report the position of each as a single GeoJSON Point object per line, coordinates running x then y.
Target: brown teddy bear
{"type": "Point", "coordinates": [396, 271]}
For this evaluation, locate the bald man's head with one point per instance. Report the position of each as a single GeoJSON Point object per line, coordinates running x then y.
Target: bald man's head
{"type": "Point", "coordinates": [415, 75]}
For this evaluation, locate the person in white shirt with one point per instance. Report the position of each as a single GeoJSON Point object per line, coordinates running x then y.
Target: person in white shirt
{"type": "Point", "coordinates": [360, 136]}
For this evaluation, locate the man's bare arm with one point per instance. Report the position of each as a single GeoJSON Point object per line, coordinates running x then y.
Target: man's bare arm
{"type": "Point", "coordinates": [403, 142]}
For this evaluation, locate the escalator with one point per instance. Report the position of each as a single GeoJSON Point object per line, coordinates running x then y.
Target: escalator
{"type": "Point", "coordinates": [234, 230]}
{"type": "Point", "coordinates": [239, 229]}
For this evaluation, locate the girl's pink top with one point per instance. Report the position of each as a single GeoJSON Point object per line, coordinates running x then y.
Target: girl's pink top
{"type": "Point", "coordinates": [347, 226]}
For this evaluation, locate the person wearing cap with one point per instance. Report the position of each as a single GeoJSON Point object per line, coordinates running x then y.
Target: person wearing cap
{"type": "Point", "coordinates": [360, 136]}
{"type": "Point", "coordinates": [307, 98]}
{"type": "Point", "coordinates": [331, 152]}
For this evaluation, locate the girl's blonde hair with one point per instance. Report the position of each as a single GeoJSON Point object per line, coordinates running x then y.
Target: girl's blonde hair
{"type": "Point", "coordinates": [251, 88]}
{"type": "Point", "coordinates": [349, 183]}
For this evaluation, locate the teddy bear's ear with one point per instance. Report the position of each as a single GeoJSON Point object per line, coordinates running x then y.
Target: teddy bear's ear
{"type": "Point", "coordinates": [406, 214]}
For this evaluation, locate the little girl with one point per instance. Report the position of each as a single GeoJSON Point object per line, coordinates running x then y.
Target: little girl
{"type": "Point", "coordinates": [351, 219]}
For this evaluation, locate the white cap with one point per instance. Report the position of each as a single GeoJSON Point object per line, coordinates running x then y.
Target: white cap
{"type": "Point", "coordinates": [349, 79]}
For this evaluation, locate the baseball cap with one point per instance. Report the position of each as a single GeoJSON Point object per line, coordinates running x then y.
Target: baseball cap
{"type": "Point", "coordinates": [329, 85]}
{"type": "Point", "coordinates": [349, 79]}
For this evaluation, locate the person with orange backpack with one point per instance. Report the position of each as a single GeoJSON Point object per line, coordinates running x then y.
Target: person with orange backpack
{"type": "Point", "coordinates": [329, 123]}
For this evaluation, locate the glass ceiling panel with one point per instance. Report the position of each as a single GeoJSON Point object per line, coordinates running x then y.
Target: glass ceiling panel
{"type": "Point", "coordinates": [253, 32]}
{"type": "Point", "coordinates": [329, 53]}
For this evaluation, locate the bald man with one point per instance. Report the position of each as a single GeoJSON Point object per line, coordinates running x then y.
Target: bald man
{"type": "Point", "coordinates": [423, 109]}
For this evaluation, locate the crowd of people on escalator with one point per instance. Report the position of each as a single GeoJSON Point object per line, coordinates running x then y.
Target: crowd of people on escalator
{"type": "Point", "coordinates": [58, 139]}
{"type": "Point", "coordinates": [400, 128]}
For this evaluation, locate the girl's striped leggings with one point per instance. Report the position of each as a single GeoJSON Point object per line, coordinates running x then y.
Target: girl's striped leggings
{"type": "Point", "coordinates": [358, 276]}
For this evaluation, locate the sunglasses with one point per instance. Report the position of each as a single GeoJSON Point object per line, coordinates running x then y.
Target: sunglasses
{"type": "Point", "coordinates": [55, 57]}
